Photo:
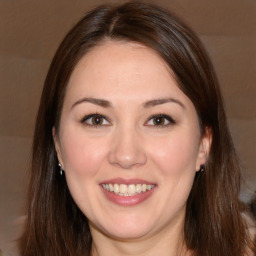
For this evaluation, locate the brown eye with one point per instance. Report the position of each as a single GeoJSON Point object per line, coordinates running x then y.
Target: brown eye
{"type": "Point", "coordinates": [95, 120]}
{"type": "Point", "coordinates": [159, 120]}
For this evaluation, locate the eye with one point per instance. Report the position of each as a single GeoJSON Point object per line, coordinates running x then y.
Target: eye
{"type": "Point", "coordinates": [160, 120]}
{"type": "Point", "coordinates": [95, 120]}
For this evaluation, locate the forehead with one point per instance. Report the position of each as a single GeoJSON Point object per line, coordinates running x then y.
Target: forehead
{"type": "Point", "coordinates": [122, 70]}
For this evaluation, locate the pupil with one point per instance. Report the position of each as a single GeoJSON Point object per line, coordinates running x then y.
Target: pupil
{"type": "Point", "coordinates": [96, 120]}
{"type": "Point", "coordinates": [158, 120]}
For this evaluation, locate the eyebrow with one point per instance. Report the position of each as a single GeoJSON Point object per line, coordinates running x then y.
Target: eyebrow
{"type": "Point", "coordinates": [156, 102]}
{"type": "Point", "coordinates": [99, 102]}
{"type": "Point", "coordinates": [107, 104]}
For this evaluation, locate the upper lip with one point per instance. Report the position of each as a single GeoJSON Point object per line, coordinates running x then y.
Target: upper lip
{"type": "Point", "coordinates": [127, 181]}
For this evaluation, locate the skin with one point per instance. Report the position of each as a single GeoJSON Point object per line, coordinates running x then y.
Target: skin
{"type": "Point", "coordinates": [128, 144]}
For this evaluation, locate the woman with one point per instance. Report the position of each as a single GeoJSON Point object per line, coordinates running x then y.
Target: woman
{"type": "Point", "coordinates": [132, 154]}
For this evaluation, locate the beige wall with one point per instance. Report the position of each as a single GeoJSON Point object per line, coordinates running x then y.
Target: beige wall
{"type": "Point", "coordinates": [30, 32]}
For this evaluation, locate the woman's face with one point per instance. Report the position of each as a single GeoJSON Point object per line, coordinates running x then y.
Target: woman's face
{"type": "Point", "coordinates": [129, 141]}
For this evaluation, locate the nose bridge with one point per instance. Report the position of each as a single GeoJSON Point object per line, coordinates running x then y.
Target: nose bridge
{"type": "Point", "coordinates": [127, 148]}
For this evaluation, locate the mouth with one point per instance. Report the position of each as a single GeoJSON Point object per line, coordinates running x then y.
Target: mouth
{"type": "Point", "coordinates": [127, 192]}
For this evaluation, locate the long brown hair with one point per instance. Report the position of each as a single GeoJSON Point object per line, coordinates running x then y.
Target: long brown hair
{"type": "Point", "coordinates": [213, 225]}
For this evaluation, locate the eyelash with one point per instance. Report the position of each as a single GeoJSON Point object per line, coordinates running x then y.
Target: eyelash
{"type": "Point", "coordinates": [88, 117]}
{"type": "Point", "coordinates": [169, 119]}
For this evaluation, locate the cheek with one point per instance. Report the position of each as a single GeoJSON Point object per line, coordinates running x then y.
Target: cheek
{"type": "Point", "coordinates": [82, 156]}
{"type": "Point", "coordinates": [175, 159]}
{"type": "Point", "coordinates": [175, 155]}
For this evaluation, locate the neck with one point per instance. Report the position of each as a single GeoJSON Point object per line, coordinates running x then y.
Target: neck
{"type": "Point", "coordinates": [166, 242]}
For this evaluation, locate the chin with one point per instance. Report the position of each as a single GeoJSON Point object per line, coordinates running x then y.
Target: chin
{"type": "Point", "coordinates": [128, 234]}
{"type": "Point", "coordinates": [124, 230]}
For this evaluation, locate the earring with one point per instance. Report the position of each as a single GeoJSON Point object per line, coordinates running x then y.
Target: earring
{"type": "Point", "coordinates": [202, 168]}
{"type": "Point", "coordinates": [61, 170]}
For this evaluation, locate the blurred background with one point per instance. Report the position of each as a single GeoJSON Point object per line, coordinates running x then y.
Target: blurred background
{"type": "Point", "coordinates": [31, 32]}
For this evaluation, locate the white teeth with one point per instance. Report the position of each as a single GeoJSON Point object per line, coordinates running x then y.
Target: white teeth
{"type": "Point", "coordinates": [149, 187]}
{"type": "Point", "coordinates": [138, 188]}
{"type": "Point", "coordinates": [123, 189]}
{"type": "Point", "coordinates": [116, 188]}
{"type": "Point", "coordinates": [130, 190]}
{"type": "Point", "coordinates": [111, 188]}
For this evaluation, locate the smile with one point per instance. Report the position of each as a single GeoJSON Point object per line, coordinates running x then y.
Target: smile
{"type": "Point", "coordinates": [127, 190]}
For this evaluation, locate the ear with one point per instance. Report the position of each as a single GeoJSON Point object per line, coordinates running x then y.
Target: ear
{"type": "Point", "coordinates": [204, 147]}
{"type": "Point", "coordinates": [57, 146]}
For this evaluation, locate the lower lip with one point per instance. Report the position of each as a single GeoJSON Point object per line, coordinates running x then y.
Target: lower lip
{"type": "Point", "coordinates": [128, 200]}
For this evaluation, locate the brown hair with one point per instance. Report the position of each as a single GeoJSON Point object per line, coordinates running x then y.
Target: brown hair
{"type": "Point", "coordinates": [213, 225]}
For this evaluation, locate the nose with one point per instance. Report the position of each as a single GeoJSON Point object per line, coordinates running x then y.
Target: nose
{"type": "Point", "coordinates": [126, 150]}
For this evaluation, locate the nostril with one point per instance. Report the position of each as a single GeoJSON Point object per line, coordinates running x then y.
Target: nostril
{"type": "Point", "coordinates": [127, 159]}
{"type": "Point", "coordinates": [126, 149]}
